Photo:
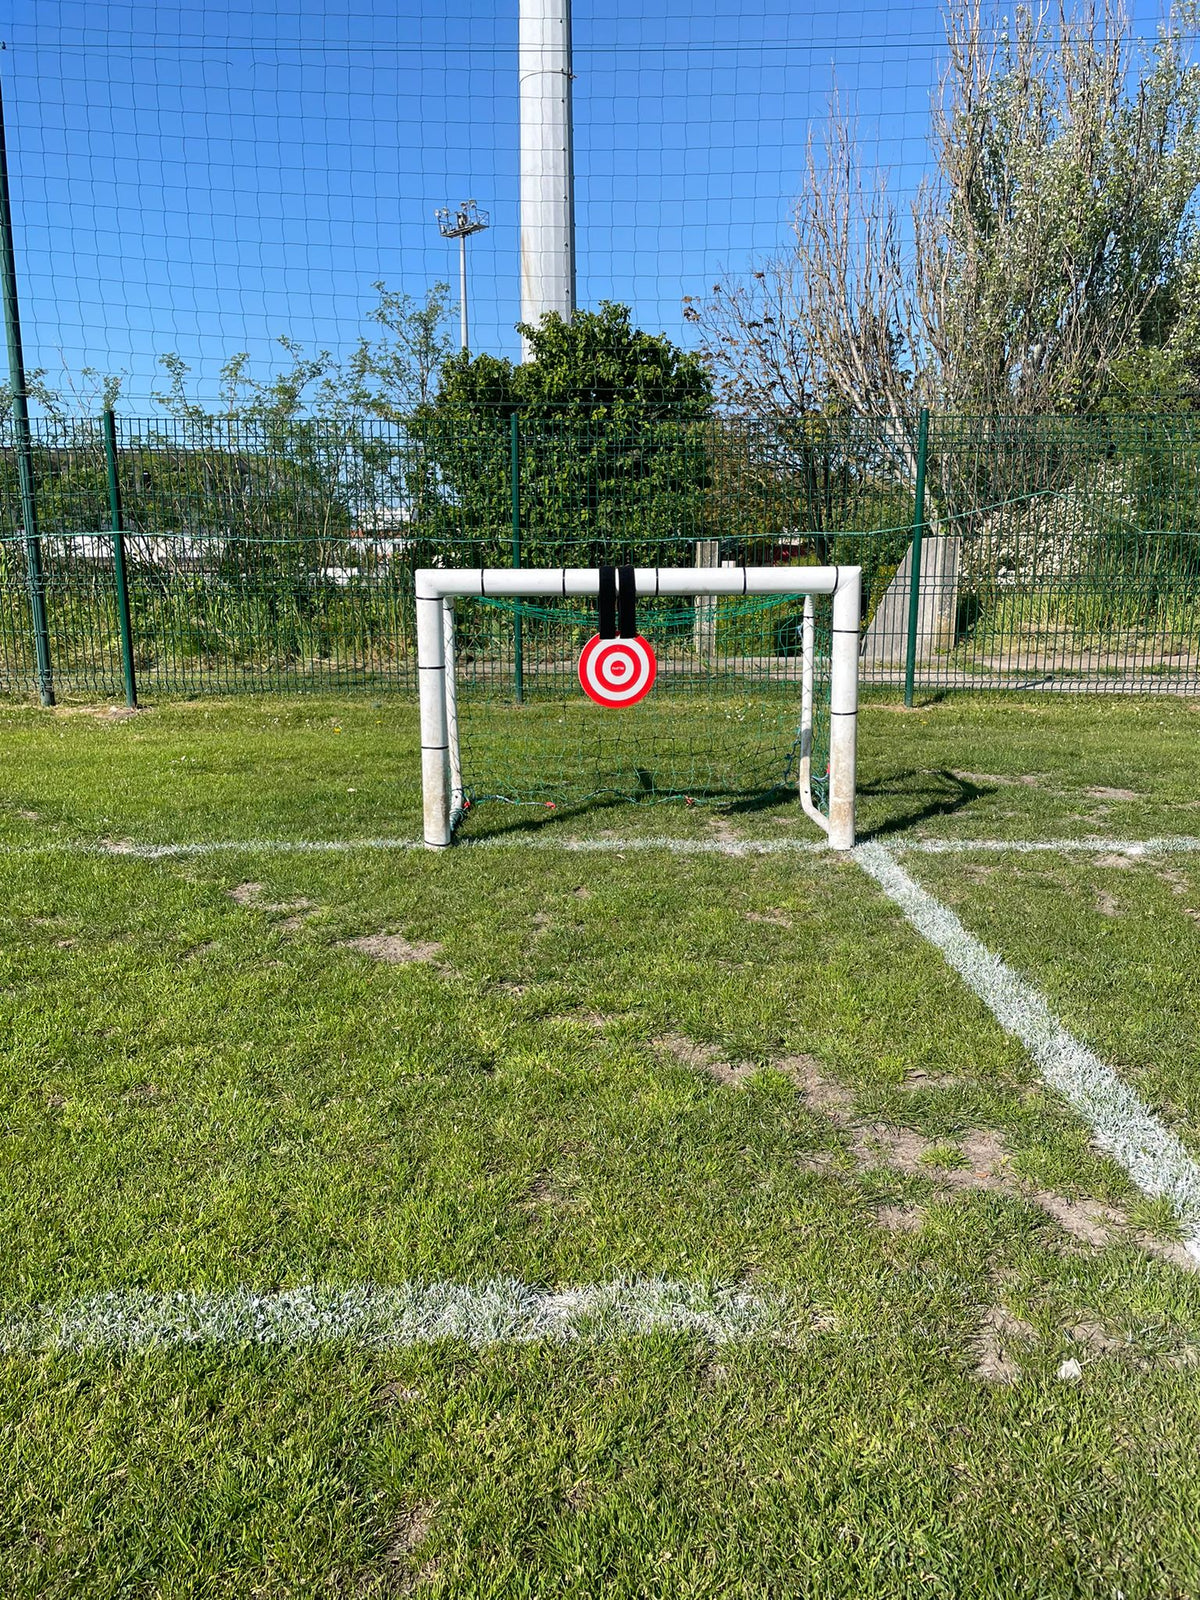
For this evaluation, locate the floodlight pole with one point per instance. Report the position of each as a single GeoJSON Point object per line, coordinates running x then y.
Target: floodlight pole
{"type": "Point", "coordinates": [460, 225]}
{"type": "Point", "coordinates": [462, 292]}
{"type": "Point", "coordinates": [547, 163]}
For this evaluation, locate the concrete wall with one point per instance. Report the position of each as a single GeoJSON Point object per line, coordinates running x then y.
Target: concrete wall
{"type": "Point", "coordinates": [886, 639]}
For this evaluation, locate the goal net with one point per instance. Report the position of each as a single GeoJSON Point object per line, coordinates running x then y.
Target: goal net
{"type": "Point", "coordinates": [755, 695]}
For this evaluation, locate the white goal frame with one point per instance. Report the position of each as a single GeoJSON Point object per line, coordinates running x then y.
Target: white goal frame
{"type": "Point", "coordinates": [438, 588]}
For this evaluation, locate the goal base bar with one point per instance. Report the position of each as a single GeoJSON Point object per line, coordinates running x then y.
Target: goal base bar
{"type": "Point", "coordinates": [437, 589]}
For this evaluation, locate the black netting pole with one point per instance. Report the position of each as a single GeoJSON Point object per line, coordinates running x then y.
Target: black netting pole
{"type": "Point", "coordinates": [23, 438]}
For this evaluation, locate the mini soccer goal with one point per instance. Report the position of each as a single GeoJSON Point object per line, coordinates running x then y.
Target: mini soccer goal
{"type": "Point", "coordinates": [653, 683]}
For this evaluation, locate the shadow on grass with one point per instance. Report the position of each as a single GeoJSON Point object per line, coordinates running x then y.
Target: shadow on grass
{"type": "Point", "coordinates": [916, 795]}
{"type": "Point", "coordinates": [535, 817]}
{"type": "Point", "coordinates": [920, 795]}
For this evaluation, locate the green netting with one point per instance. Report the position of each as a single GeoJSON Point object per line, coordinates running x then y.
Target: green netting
{"type": "Point", "coordinates": [1059, 553]}
{"type": "Point", "coordinates": [721, 725]}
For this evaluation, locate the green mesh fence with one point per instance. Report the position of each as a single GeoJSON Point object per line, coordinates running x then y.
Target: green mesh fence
{"type": "Point", "coordinates": [1057, 553]}
{"type": "Point", "coordinates": [722, 722]}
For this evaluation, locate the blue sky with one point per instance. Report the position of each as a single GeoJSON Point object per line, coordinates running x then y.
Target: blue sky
{"type": "Point", "coordinates": [201, 179]}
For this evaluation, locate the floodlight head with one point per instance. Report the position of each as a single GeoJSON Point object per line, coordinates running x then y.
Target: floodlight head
{"type": "Point", "coordinates": [460, 224]}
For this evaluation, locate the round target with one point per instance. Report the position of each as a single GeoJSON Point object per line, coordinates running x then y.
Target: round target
{"type": "Point", "coordinates": [617, 672]}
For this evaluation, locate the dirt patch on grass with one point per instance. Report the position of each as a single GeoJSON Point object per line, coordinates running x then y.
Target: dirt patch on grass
{"type": "Point", "coordinates": [901, 1219]}
{"type": "Point", "coordinates": [411, 1530]}
{"type": "Point", "coordinates": [918, 1078]}
{"type": "Point", "coordinates": [1106, 905]}
{"type": "Point", "coordinates": [704, 1058]}
{"type": "Point", "coordinates": [102, 713]}
{"type": "Point", "coordinates": [544, 1195]}
{"type": "Point", "coordinates": [976, 1161]}
{"type": "Point", "coordinates": [1100, 792]}
{"type": "Point", "coordinates": [140, 1093]}
{"type": "Point", "coordinates": [393, 948]}
{"type": "Point", "coordinates": [1168, 1250]}
{"type": "Point", "coordinates": [1025, 780]}
{"type": "Point", "coordinates": [250, 895]}
{"type": "Point", "coordinates": [1124, 863]}
{"type": "Point", "coordinates": [578, 1019]}
{"type": "Point", "coordinates": [1003, 1337]}
{"type": "Point", "coordinates": [774, 919]}
{"type": "Point", "coordinates": [1098, 1340]}
{"type": "Point", "coordinates": [394, 1393]}
{"type": "Point", "coordinates": [820, 1093]}
{"type": "Point", "coordinates": [405, 1538]}
{"type": "Point", "coordinates": [982, 1165]}
{"type": "Point", "coordinates": [1086, 1220]}
{"type": "Point", "coordinates": [579, 1496]}
{"type": "Point", "coordinates": [999, 1337]}
{"type": "Point", "coordinates": [722, 830]}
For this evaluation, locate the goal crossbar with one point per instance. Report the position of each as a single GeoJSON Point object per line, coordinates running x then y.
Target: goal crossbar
{"type": "Point", "coordinates": [438, 588]}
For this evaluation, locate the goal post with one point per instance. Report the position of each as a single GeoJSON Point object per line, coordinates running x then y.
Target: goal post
{"type": "Point", "coordinates": [438, 589]}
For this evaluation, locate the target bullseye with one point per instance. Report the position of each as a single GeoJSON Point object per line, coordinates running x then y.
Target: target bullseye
{"type": "Point", "coordinates": [617, 672]}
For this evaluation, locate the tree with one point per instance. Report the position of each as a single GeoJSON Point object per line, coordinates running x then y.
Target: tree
{"type": "Point", "coordinates": [611, 443]}
{"type": "Point", "coordinates": [1041, 255]}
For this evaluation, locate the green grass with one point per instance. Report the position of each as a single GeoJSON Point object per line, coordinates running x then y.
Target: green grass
{"type": "Point", "coordinates": [202, 1091]}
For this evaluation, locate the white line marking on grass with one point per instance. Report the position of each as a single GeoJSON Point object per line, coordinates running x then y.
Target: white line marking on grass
{"type": "Point", "coordinates": [204, 847]}
{"type": "Point", "coordinates": [1148, 1150]}
{"type": "Point", "coordinates": [500, 1311]}
{"type": "Point", "coordinates": [201, 847]}
{"type": "Point", "coordinates": [1179, 845]}
{"type": "Point", "coordinates": [1167, 845]}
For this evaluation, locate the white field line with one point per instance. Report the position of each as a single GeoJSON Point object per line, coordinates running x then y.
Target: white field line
{"type": "Point", "coordinates": [1166, 845]}
{"type": "Point", "coordinates": [203, 847]}
{"type": "Point", "coordinates": [1147, 1149]}
{"type": "Point", "coordinates": [500, 1311]}
{"type": "Point", "coordinates": [1182, 844]}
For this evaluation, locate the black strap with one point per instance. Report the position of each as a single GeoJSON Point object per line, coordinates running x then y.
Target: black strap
{"type": "Point", "coordinates": [627, 604]}
{"type": "Point", "coordinates": [608, 602]}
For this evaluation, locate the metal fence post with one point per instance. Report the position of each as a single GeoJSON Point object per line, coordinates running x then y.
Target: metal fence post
{"type": "Point", "coordinates": [514, 474]}
{"type": "Point", "coordinates": [23, 436]}
{"type": "Point", "coordinates": [118, 533]}
{"type": "Point", "coordinates": [914, 576]}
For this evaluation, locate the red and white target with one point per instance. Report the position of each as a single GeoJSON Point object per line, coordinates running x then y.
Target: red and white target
{"type": "Point", "coordinates": [617, 672]}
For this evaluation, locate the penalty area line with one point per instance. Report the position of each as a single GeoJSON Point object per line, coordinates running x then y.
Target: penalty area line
{"type": "Point", "coordinates": [497, 1311]}
{"type": "Point", "coordinates": [1121, 1125]}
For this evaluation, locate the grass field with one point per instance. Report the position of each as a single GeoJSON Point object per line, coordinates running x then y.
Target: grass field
{"type": "Point", "coordinates": [541, 1221]}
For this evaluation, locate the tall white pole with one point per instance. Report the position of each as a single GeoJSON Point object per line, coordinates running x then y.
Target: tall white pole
{"type": "Point", "coordinates": [547, 162]}
{"type": "Point", "coordinates": [462, 288]}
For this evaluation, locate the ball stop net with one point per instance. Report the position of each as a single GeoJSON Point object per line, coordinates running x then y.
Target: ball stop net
{"type": "Point", "coordinates": [722, 723]}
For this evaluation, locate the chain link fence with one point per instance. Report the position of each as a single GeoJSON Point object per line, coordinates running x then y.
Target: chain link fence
{"type": "Point", "coordinates": [210, 557]}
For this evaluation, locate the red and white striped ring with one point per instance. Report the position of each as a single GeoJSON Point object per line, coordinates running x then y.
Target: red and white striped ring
{"type": "Point", "coordinates": [617, 672]}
